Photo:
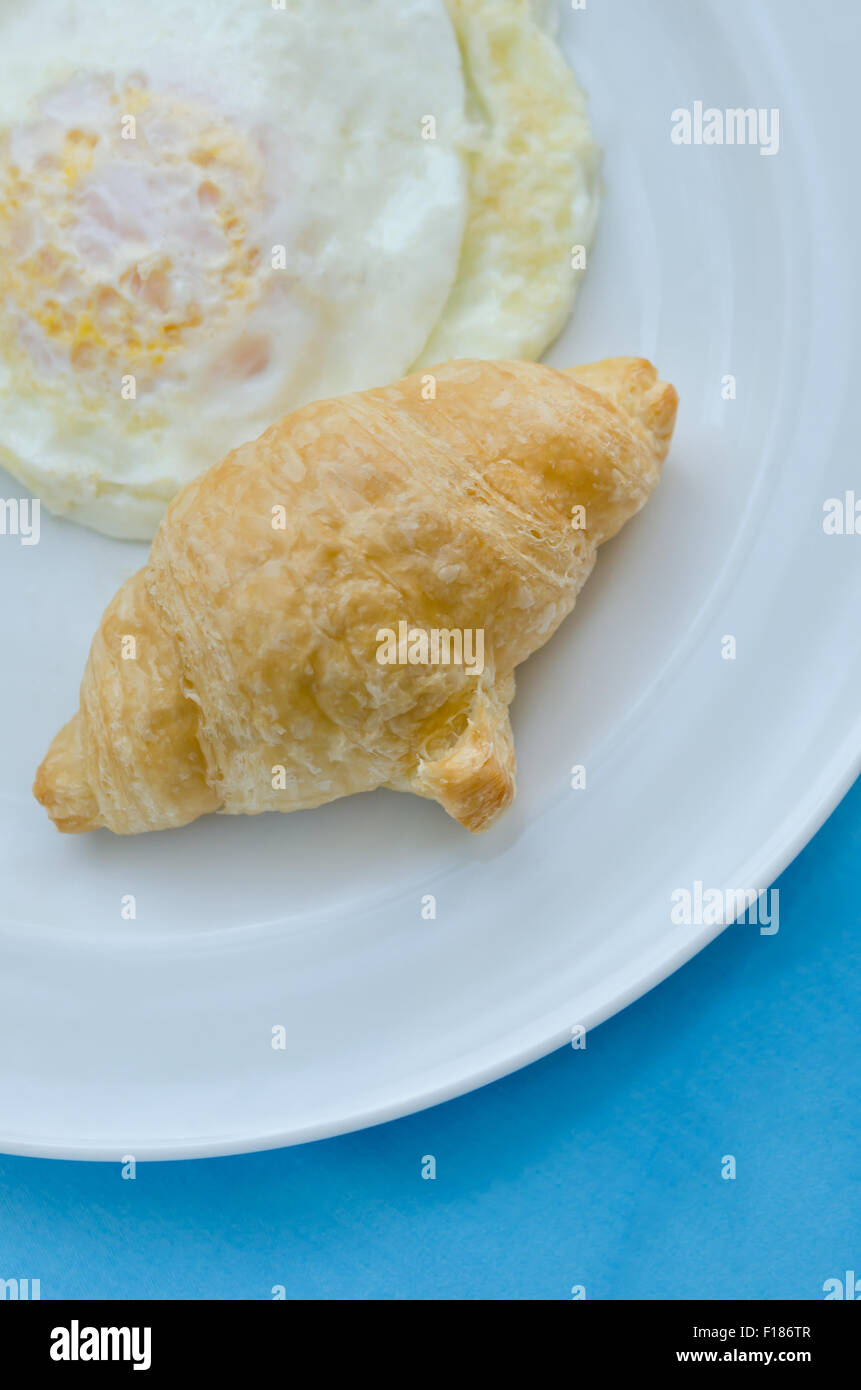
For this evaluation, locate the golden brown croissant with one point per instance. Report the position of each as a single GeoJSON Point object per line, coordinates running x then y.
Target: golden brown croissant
{"type": "Point", "coordinates": [286, 643]}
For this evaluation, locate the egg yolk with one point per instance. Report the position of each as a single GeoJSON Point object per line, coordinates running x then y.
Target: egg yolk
{"type": "Point", "coordinates": [124, 231]}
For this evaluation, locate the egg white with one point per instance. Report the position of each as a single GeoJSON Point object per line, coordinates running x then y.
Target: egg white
{"type": "Point", "coordinates": [213, 211]}
{"type": "Point", "coordinates": [209, 214]}
{"type": "Point", "coordinates": [533, 185]}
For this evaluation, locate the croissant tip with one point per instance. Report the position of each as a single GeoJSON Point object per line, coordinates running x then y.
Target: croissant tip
{"type": "Point", "coordinates": [475, 780]}
{"type": "Point", "coordinates": [658, 414]}
{"type": "Point", "coordinates": [60, 785]}
{"type": "Point", "coordinates": [634, 384]}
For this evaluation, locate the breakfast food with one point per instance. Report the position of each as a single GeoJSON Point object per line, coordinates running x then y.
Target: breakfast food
{"type": "Point", "coordinates": [533, 176]}
{"type": "Point", "coordinates": [215, 211]}
{"type": "Point", "coordinates": [256, 663]}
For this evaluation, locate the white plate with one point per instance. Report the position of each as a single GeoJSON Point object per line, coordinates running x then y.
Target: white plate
{"type": "Point", "coordinates": [153, 1037]}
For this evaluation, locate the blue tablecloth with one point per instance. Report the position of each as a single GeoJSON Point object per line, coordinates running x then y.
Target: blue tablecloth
{"type": "Point", "coordinates": [599, 1168]}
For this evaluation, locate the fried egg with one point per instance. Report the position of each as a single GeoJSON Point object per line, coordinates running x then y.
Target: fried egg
{"type": "Point", "coordinates": [212, 213]}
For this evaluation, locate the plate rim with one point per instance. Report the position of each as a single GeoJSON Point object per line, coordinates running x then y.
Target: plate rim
{"type": "Point", "coordinates": [802, 825]}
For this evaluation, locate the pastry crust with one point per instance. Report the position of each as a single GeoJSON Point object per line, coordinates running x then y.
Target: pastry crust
{"type": "Point", "coordinates": [254, 683]}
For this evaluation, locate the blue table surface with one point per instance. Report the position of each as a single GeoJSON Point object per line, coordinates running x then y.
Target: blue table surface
{"type": "Point", "coordinates": [599, 1168]}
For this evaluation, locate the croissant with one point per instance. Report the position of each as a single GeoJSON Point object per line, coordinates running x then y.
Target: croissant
{"type": "Point", "coordinates": [341, 604]}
